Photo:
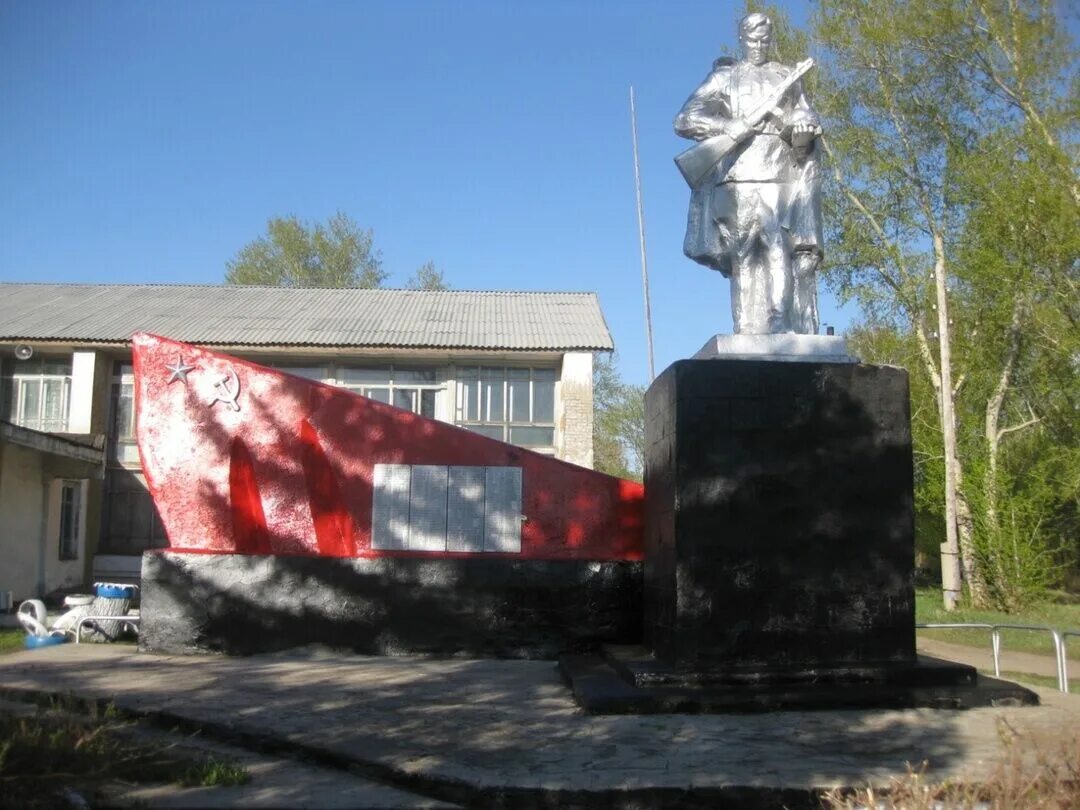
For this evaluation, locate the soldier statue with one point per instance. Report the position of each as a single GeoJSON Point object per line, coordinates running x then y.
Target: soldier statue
{"type": "Point", "coordinates": [755, 206]}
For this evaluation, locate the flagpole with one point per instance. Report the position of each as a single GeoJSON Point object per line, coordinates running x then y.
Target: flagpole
{"type": "Point", "coordinates": [641, 237]}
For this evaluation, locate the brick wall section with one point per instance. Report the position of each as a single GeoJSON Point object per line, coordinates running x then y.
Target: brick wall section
{"type": "Point", "coordinates": [574, 410]}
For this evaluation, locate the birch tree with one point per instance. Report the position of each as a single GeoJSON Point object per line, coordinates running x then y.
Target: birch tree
{"type": "Point", "coordinates": [934, 108]}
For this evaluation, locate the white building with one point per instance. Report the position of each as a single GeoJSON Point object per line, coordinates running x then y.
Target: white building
{"type": "Point", "coordinates": [73, 503]}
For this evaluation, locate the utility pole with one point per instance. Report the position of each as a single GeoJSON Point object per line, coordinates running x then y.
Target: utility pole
{"type": "Point", "coordinates": [641, 237]}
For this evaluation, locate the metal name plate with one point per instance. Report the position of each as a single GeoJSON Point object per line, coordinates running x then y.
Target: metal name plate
{"type": "Point", "coordinates": [390, 509]}
{"type": "Point", "coordinates": [435, 508]}
{"type": "Point", "coordinates": [502, 512]}
{"type": "Point", "coordinates": [465, 509]}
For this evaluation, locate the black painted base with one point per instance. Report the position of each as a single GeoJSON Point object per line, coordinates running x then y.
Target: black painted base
{"type": "Point", "coordinates": [477, 607]}
{"type": "Point", "coordinates": [627, 680]}
{"type": "Point", "coordinates": [779, 529]}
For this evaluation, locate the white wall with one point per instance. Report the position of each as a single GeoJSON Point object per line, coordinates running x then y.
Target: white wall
{"type": "Point", "coordinates": [574, 409]}
{"type": "Point", "coordinates": [81, 402]}
{"type": "Point", "coordinates": [63, 573]}
{"type": "Point", "coordinates": [23, 506]}
{"type": "Point", "coordinates": [21, 509]}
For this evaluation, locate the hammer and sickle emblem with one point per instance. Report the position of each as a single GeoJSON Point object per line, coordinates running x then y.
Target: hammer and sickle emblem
{"type": "Point", "coordinates": [228, 393]}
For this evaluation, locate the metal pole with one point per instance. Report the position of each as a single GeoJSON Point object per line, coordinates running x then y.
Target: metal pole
{"type": "Point", "coordinates": [641, 236]}
{"type": "Point", "coordinates": [995, 641]}
{"type": "Point", "coordinates": [1064, 665]}
{"type": "Point", "coordinates": [1059, 654]}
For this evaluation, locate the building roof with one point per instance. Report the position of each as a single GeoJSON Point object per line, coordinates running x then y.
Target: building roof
{"type": "Point", "coordinates": [81, 455]}
{"type": "Point", "coordinates": [278, 316]}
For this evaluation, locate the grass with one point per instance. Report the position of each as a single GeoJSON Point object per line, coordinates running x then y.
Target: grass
{"type": "Point", "coordinates": [1031, 775]}
{"type": "Point", "coordinates": [11, 640]}
{"type": "Point", "coordinates": [929, 610]}
{"type": "Point", "coordinates": [215, 772]}
{"type": "Point", "coordinates": [60, 747]}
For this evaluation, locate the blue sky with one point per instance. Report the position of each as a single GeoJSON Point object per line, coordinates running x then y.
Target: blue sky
{"type": "Point", "coordinates": [149, 141]}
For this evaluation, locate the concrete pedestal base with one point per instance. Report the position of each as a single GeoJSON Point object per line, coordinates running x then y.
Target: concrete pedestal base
{"type": "Point", "coordinates": [779, 543]}
{"type": "Point", "coordinates": [790, 348]}
{"type": "Point", "coordinates": [779, 524]}
{"type": "Point", "coordinates": [627, 680]}
{"type": "Point", "coordinates": [244, 604]}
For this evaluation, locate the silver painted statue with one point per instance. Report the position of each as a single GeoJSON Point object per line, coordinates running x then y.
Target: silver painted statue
{"type": "Point", "coordinates": [755, 208]}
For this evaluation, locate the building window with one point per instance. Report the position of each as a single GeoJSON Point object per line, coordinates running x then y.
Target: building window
{"type": "Point", "coordinates": [413, 389]}
{"type": "Point", "coordinates": [38, 394]}
{"type": "Point", "coordinates": [122, 446]}
{"type": "Point", "coordinates": [515, 405]}
{"type": "Point", "coordinates": [70, 511]}
{"type": "Point", "coordinates": [130, 521]}
{"type": "Point", "coordinates": [314, 373]}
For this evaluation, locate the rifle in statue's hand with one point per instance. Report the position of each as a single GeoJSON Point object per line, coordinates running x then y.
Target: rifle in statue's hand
{"type": "Point", "coordinates": [699, 159]}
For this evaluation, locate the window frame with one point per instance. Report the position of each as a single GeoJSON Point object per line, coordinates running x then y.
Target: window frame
{"type": "Point", "coordinates": [119, 438]}
{"type": "Point", "coordinates": [20, 376]}
{"type": "Point", "coordinates": [69, 520]}
{"type": "Point", "coordinates": [117, 498]}
{"type": "Point", "coordinates": [475, 375]}
{"type": "Point", "coordinates": [392, 385]}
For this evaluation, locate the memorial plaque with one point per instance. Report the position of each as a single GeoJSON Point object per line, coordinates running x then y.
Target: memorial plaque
{"type": "Point", "coordinates": [427, 508]}
{"type": "Point", "coordinates": [390, 510]}
{"type": "Point", "coordinates": [502, 514]}
{"type": "Point", "coordinates": [465, 509]}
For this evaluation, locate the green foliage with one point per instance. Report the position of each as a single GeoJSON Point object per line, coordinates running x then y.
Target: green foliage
{"type": "Point", "coordinates": [11, 641]}
{"type": "Point", "coordinates": [214, 772]}
{"type": "Point", "coordinates": [427, 277]}
{"type": "Point", "coordinates": [63, 744]}
{"type": "Point", "coordinates": [295, 254]}
{"type": "Point", "coordinates": [945, 123]}
{"type": "Point", "coordinates": [66, 743]}
{"type": "Point", "coordinates": [618, 421]}
{"type": "Point", "coordinates": [1061, 615]}
{"type": "Point", "coordinates": [1016, 554]}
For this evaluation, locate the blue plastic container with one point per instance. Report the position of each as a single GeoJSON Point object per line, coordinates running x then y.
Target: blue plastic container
{"type": "Point", "coordinates": [37, 642]}
{"type": "Point", "coordinates": [115, 591]}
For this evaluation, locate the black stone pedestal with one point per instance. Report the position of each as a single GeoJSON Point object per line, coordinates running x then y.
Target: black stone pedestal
{"type": "Point", "coordinates": [779, 522]}
{"type": "Point", "coordinates": [779, 549]}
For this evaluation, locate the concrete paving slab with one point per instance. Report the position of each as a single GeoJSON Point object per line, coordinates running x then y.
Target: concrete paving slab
{"type": "Point", "coordinates": [460, 729]}
{"type": "Point", "coordinates": [275, 782]}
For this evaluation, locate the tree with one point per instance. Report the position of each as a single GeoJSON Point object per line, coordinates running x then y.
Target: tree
{"type": "Point", "coordinates": [953, 219]}
{"type": "Point", "coordinates": [427, 277]}
{"type": "Point", "coordinates": [618, 421]}
{"type": "Point", "coordinates": [294, 254]}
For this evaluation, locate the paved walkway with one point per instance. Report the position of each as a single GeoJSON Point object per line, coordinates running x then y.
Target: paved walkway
{"type": "Point", "coordinates": [275, 781]}
{"type": "Point", "coordinates": [983, 658]}
{"type": "Point", "coordinates": [468, 731]}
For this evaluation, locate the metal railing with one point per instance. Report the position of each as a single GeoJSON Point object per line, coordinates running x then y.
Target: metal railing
{"type": "Point", "coordinates": [1063, 661]}
{"type": "Point", "coordinates": [1058, 637]}
{"type": "Point", "coordinates": [91, 623]}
